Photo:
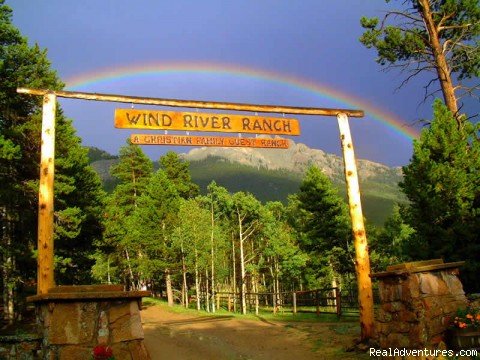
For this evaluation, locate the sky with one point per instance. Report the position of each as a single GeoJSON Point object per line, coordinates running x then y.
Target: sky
{"type": "Point", "coordinates": [283, 52]}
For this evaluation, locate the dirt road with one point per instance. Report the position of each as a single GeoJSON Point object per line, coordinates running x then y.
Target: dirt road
{"type": "Point", "coordinates": [171, 335]}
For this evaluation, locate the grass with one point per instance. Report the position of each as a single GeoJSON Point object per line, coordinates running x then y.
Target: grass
{"type": "Point", "coordinates": [264, 314]}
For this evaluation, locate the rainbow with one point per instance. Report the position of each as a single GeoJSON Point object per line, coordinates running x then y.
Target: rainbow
{"type": "Point", "coordinates": [392, 121]}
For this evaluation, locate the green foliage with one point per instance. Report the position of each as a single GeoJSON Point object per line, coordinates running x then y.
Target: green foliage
{"type": "Point", "coordinates": [379, 192]}
{"type": "Point", "coordinates": [78, 194]}
{"type": "Point", "coordinates": [192, 235]}
{"type": "Point", "coordinates": [150, 226]}
{"type": "Point", "coordinates": [266, 185]}
{"type": "Point", "coordinates": [79, 203]}
{"type": "Point", "coordinates": [134, 171]}
{"type": "Point", "coordinates": [403, 40]}
{"type": "Point", "coordinates": [321, 219]}
{"type": "Point", "coordinates": [133, 168]}
{"type": "Point", "coordinates": [443, 187]}
{"type": "Point", "coordinates": [280, 248]}
{"type": "Point", "coordinates": [96, 154]}
{"type": "Point", "coordinates": [392, 43]}
{"type": "Point", "coordinates": [8, 150]}
{"type": "Point", "coordinates": [177, 171]}
{"type": "Point", "coordinates": [392, 243]}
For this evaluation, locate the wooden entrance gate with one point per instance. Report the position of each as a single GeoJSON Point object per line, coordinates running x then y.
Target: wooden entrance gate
{"type": "Point", "coordinates": [45, 274]}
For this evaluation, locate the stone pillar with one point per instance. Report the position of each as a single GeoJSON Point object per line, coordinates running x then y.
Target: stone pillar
{"type": "Point", "coordinates": [417, 301]}
{"type": "Point", "coordinates": [74, 319]}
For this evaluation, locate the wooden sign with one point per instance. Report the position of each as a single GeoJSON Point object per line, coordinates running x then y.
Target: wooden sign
{"type": "Point", "coordinates": [193, 121]}
{"type": "Point", "coordinates": [215, 141]}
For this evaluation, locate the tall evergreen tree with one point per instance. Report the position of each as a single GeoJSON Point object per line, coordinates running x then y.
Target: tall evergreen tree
{"type": "Point", "coordinates": [393, 243]}
{"type": "Point", "coordinates": [79, 205]}
{"type": "Point", "coordinates": [320, 216]}
{"type": "Point", "coordinates": [177, 170]}
{"type": "Point", "coordinates": [442, 183]}
{"type": "Point", "coordinates": [134, 170]}
{"type": "Point", "coordinates": [437, 36]}
{"type": "Point", "coordinates": [77, 197]}
{"type": "Point", "coordinates": [149, 231]}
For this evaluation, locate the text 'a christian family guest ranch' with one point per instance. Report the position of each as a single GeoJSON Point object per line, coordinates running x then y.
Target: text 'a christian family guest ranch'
{"type": "Point", "coordinates": [215, 141]}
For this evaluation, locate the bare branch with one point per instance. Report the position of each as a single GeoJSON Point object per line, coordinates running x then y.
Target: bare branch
{"type": "Point", "coordinates": [250, 230]}
{"type": "Point", "coordinates": [403, 14]}
{"type": "Point", "coordinates": [442, 21]}
{"type": "Point", "coordinates": [454, 27]}
{"type": "Point", "coordinates": [428, 94]}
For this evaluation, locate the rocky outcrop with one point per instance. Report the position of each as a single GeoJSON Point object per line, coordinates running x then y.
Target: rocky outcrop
{"type": "Point", "coordinates": [297, 159]}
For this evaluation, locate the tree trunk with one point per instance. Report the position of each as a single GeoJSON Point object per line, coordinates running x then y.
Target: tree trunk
{"type": "Point", "coordinates": [234, 280]}
{"type": "Point", "coordinates": [168, 283]}
{"type": "Point", "coordinates": [277, 283]}
{"type": "Point", "coordinates": [109, 280]}
{"type": "Point", "coordinates": [130, 272]}
{"type": "Point", "coordinates": [207, 292]}
{"type": "Point", "coordinates": [184, 279]}
{"type": "Point", "coordinates": [7, 269]}
{"type": "Point", "coordinates": [243, 288]}
{"type": "Point", "coordinates": [255, 290]}
{"type": "Point", "coordinates": [197, 280]}
{"type": "Point", "coordinates": [8, 290]}
{"type": "Point", "coordinates": [212, 256]}
{"type": "Point", "coordinates": [334, 284]}
{"type": "Point", "coordinates": [443, 70]}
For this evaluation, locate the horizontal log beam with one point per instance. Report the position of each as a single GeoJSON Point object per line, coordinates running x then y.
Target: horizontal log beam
{"type": "Point", "coordinates": [280, 109]}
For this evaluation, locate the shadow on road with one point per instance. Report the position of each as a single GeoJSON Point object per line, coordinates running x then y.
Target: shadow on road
{"type": "Point", "coordinates": [198, 320]}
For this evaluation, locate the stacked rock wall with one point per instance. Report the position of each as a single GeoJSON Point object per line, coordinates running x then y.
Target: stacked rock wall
{"type": "Point", "coordinates": [416, 306]}
{"type": "Point", "coordinates": [20, 347]}
{"type": "Point", "coordinates": [83, 325]}
{"type": "Point", "coordinates": [73, 320]}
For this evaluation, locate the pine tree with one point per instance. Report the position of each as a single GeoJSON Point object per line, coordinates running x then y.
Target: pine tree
{"type": "Point", "coordinates": [78, 195]}
{"type": "Point", "coordinates": [442, 183]}
{"type": "Point", "coordinates": [320, 216]}
{"type": "Point", "coordinates": [134, 170]}
{"type": "Point", "coordinates": [436, 36]}
{"type": "Point", "coordinates": [149, 232]}
{"type": "Point", "coordinates": [178, 172]}
{"type": "Point", "coordinates": [79, 206]}
{"type": "Point", "coordinates": [393, 243]}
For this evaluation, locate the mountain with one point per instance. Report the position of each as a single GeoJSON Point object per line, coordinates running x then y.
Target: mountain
{"type": "Point", "coordinates": [272, 174]}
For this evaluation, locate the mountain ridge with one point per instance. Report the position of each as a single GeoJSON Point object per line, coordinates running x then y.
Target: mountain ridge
{"type": "Point", "coordinates": [272, 174]}
{"type": "Point", "coordinates": [298, 157]}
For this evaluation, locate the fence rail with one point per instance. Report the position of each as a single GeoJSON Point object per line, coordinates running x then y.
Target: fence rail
{"type": "Point", "coordinates": [326, 301]}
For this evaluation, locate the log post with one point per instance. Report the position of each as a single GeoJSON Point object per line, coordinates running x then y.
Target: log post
{"type": "Point", "coordinates": [294, 295]}
{"type": "Point", "coordinates": [338, 301]}
{"type": "Point", "coordinates": [362, 260]}
{"type": "Point", "coordinates": [45, 277]}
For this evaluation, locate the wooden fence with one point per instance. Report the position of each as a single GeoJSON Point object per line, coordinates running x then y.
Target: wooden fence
{"type": "Point", "coordinates": [327, 301]}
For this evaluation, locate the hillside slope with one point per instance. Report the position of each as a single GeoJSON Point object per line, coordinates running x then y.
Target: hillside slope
{"type": "Point", "coordinates": [274, 174]}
